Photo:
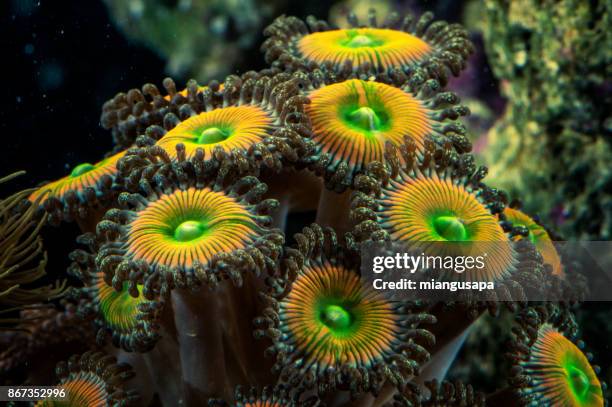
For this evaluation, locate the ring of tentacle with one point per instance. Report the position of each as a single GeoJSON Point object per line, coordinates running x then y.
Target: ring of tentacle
{"type": "Point", "coordinates": [277, 396]}
{"type": "Point", "coordinates": [352, 120]}
{"type": "Point", "coordinates": [551, 367]}
{"type": "Point", "coordinates": [436, 208]}
{"type": "Point", "coordinates": [128, 114]}
{"type": "Point", "coordinates": [129, 318]}
{"type": "Point", "coordinates": [92, 379]}
{"type": "Point", "coordinates": [561, 372]}
{"type": "Point", "coordinates": [539, 236]}
{"type": "Point", "coordinates": [447, 394]}
{"type": "Point", "coordinates": [440, 206]}
{"type": "Point", "coordinates": [200, 223]}
{"type": "Point", "coordinates": [422, 205]}
{"type": "Point", "coordinates": [332, 316]}
{"type": "Point", "coordinates": [259, 115]}
{"type": "Point", "coordinates": [404, 42]}
{"type": "Point", "coordinates": [334, 330]}
{"type": "Point", "coordinates": [87, 186]}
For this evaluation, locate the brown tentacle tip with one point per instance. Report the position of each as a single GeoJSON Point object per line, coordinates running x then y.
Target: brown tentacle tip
{"type": "Point", "coordinates": [438, 181]}
{"type": "Point", "coordinates": [321, 292]}
{"type": "Point", "coordinates": [543, 339]}
{"type": "Point", "coordinates": [436, 48]}
{"type": "Point", "coordinates": [270, 396]}
{"type": "Point", "coordinates": [445, 393]}
{"type": "Point", "coordinates": [92, 379]}
{"type": "Point", "coordinates": [254, 116]}
{"type": "Point", "coordinates": [359, 131]}
{"type": "Point", "coordinates": [126, 316]}
{"type": "Point", "coordinates": [191, 222]}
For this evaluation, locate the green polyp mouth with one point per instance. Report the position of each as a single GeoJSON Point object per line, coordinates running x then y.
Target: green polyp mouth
{"type": "Point", "coordinates": [365, 118]}
{"type": "Point", "coordinates": [360, 40]}
{"type": "Point", "coordinates": [356, 40]}
{"type": "Point", "coordinates": [213, 135]}
{"type": "Point", "coordinates": [336, 318]}
{"type": "Point", "coordinates": [363, 110]}
{"type": "Point", "coordinates": [579, 381]}
{"type": "Point", "coordinates": [450, 228]}
{"type": "Point", "coordinates": [81, 169]}
{"type": "Point", "coordinates": [189, 230]}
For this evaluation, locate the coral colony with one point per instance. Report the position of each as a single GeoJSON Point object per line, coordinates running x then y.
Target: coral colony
{"type": "Point", "coordinates": [191, 293]}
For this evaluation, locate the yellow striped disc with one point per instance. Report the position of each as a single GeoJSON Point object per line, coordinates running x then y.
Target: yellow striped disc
{"type": "Point", "coordinates": [334, 318]}
{"type": "Point", "coordinates": [82, 389]}
{"type": "Point", "coordinates": [383, 48]}
{"type": "Point", "coordinates": [435, 209]}
{"type": "Point", "coordinates": [352, 120]}
{"type": "Point", "coordinates": [560, 372]}
{"type": "Point", "coordinates": [119, 309]}
{"type": "Point", "coordinates": [189, 226]}
{"type": "Point", "coordinates": [539, 237]}
{"type": "Point", "coordinates": [82, 176]}
{"type": "Point", "coordinates": [229, 127]}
